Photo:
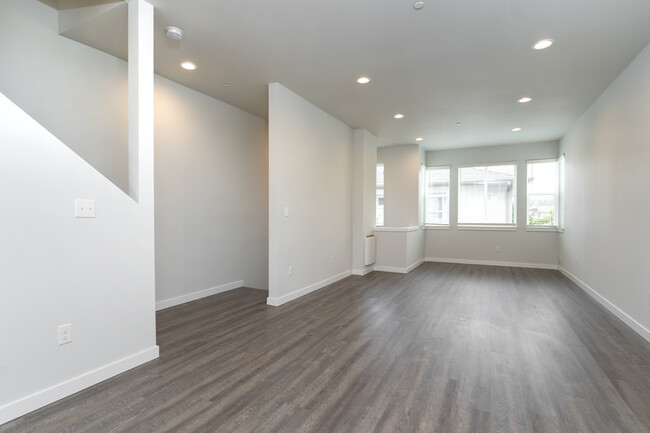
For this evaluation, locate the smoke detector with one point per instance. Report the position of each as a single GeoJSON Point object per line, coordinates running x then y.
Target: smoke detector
{"type": "Point", "coordinates": [174, 33]}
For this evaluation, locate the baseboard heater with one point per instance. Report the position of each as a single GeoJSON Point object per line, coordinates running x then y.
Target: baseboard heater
{"type": "Point", "coordinates": [369, 251]}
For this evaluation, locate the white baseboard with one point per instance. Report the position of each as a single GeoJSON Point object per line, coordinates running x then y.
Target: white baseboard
{"type": "Point", "coordinates": [493, 263]}
{"type": "Point", "coordinates": [364, 271]}
{"type": "Point", "coordinates": [629, 321]}
{"type": "Point", "coordinates": [276, 302]}
{"type": "Point", "coordinates": [399, 270]}
{"type": "Point", "coordinates": [161, 305]}
{"type": "Point", "coordinates": [390, 269]}
{"type": "Point", "coordinates": [56, 392]}
{"type": "Point", "coordinates": [414, 265]}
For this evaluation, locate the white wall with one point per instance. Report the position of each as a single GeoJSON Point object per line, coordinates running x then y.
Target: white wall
{"type": "Point", "coordinates": [399, 249]}
{"type": "Point", "coordinates": [606, 245]}
{"type": "Point", "coordinates": [516, 247]}
{"type": "Point", "coordinates": [211, 195]}
{"type": "Point", "coordinates": [77, 93]}
{"type": "Point", "coordinates": [401, 180]}
{"type": "Point", "coordinates": [364, 178]}
{"type": "Point", "coordinates": [310, 172]}
{"type": "Point", "coordinates": [96, 274]}
{"type": "Point", "coordinates": [99, 274]}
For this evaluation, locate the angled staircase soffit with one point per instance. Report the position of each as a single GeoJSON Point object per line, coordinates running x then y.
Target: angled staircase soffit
{"type": "Point", "coordinates": [74, 4]}
{"type": "Point", "coordinates": [103, 27]}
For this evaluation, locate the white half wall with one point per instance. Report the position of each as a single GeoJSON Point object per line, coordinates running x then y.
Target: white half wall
{"type": "Point", "coordinates": [211, 195]}
{"type": "Point", "coordinates": [310, 178]}
{"type": "Point", "coordinates": [606, 244]}
{"type": "Point", "coordinates": [473, 246]}
{"type": "Point", "coordinates": [399, 249]}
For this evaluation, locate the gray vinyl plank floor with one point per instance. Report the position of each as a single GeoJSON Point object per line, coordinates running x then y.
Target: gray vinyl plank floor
{"type": "Point", "coordinates": [446, 348]}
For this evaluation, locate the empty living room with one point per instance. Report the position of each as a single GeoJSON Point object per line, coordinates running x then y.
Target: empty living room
{"type": "Point", "coordinates": [335, 216]}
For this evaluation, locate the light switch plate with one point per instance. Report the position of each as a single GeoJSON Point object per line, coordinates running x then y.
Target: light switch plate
{"type": "Point", "coordinates": [84, 208]}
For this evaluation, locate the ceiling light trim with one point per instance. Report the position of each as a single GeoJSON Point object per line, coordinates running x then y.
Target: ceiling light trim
{"type": "Point", "coordinates": [543, 44]}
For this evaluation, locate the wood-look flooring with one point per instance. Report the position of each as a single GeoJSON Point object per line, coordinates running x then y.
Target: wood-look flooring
{"type": "Point", "coordinates": [446, 348]}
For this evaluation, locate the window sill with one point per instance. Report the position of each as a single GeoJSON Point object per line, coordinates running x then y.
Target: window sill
{"type": "Point", "coordinates": [487, 227]}
{"type": "Point", "coordinates": [437, 227]}
{"type": "Point", "coordinates": [543, 229]}
{"type": "Point", "coordinates": [396, 229]}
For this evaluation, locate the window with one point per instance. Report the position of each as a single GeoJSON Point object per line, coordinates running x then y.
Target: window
{"type": "Point", "coordinates": [487, 194]}
{"type": "Point", "coordinates": [437, 195]}
{"type": "Point", "coordinates": [542, 193]}
{"type": "Point", "coordinates": [379, 197]}
{"type": "Point", "coordinates": [560, 192]}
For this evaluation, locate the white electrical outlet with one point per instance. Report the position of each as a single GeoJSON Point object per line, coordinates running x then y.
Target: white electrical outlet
{"type": "Point", "coordinates": [84, 208]}
{"type": "Point", "coordinates": [331, 259]}
{"type": "Point", "coordinates": [498, 247]}
{"type": "Point", "coordinates": [64, 334]}
{"type": "Point", "coordinates": [290, 270]}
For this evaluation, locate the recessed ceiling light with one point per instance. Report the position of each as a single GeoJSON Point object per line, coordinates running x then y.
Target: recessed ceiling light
{"type": "Point", "coordinates": [398, 116]}
{"type": "Point", "coordinates": [226, 84]}
{"type": "Point", "coordinates": [363, 80]}
{"type": "Point", "coordinates": [419, 139]}
{"type": "Point", "coordinates": [458, 123]}
{"type": "Point", "coordinates": [525, 99]}
{"type": "Point", "coordinates": [543, 44]}
{"type": "Point", "coordinates": [516, 129]}
{"type": "Point", "coordinates": [418, 5]}
{"type": "Point", "coordinates": [174, 33]}
{"type": "Point", "coordinates": [188, 66]}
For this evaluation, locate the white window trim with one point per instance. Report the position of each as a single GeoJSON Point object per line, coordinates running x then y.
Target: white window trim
{"type": "Point", "coordinates": [376, 198]}
{"type": "Point", "coordinates": [437, 167]}
{"type": "Point", "coordinates": [488, 164]}
{"type": "Point", "coordinates": [487, 227]}
{"type": "Point", "coordinates": [544, 228]}
{"type": "Point", "coordinates": [397, 229]}
{"type": "Point", "coordinates": [541, 161]}
{"type": "Point", "coordinates": [561, 193]}
{"type": "Point", "coordinates": [437, 227]}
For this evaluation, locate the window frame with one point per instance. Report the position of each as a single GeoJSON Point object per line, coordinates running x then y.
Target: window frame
{"type": "Point", "coordinates": [488, 226]}
{"type": "Point", "coordinates": [383, 207]}
{"type": "Point", "coordinates": [561, 192]}
{"type": "Point", "coordinates": [426, 197]}
{"type": "Point", "coordinates": [556, 202]}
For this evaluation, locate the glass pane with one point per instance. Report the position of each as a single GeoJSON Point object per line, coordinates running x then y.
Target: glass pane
{"type": "Point", "coordinates": [487, 195]}
{"type": "Point", "coordinates": [542, 193]}
{"type": "Point", "coordinates": [379, 198]}
{"type": "Point", "coordinates": [437, 196]}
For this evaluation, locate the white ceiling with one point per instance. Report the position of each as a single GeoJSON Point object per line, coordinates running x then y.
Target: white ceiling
{"type": "Point", "coordinates": [453, 61]}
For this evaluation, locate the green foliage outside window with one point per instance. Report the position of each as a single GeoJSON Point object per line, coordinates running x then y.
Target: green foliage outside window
{"type": "Point", "coordinates": [541, 220]}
